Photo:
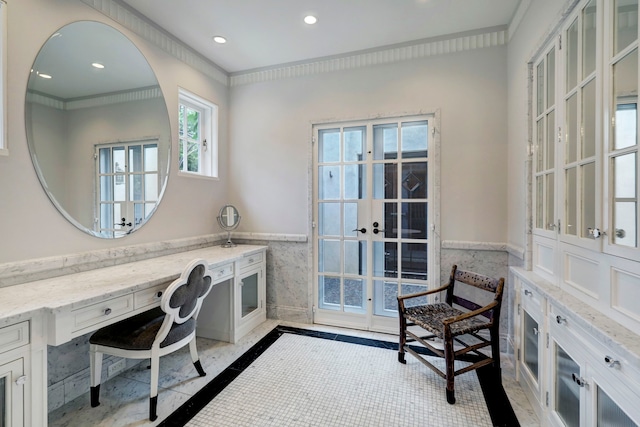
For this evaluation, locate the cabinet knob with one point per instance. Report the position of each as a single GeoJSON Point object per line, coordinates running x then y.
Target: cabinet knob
{"type": "Point", "coordinates": [579, 380]}
{"type": "Point", "coordinates": [536, 331]}
{"type": "Point", "coordinates": [611, 362]}
{"type": "Point", "coordinates": [560, 320]}
{"type": "Point", "coordinates": [107, 311]}
{"type": "Point", "coordinates": [159, 294]}
{"type": "Point", "coordinates": [528, 293]}
{"type": "Point", "coordinates": [21, 380]}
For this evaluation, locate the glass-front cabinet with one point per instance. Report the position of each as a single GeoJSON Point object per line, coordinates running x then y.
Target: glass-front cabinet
{"type": "Point", "coordinates": [250, 293]}
{"type": "Point", "coordinates": [12, 382]}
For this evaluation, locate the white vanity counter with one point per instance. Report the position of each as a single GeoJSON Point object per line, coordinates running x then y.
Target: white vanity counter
{"type": "Point", "coordinates": [73, 291]}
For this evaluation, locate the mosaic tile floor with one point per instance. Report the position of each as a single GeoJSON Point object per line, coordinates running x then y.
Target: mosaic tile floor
{"type": "Point", "coordinates": [125, 398]}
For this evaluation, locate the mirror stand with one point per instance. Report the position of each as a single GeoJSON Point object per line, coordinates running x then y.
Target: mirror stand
{"type": "Point", "coordinates": [228, 219]}
{"type": "Point", "coordinates": [229, 243]}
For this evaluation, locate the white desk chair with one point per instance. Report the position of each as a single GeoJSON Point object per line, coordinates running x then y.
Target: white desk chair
{"type": "Point", "coordinates": [156, 332]}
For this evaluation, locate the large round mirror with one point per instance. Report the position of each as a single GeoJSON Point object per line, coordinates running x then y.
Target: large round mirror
{"type": "Point", "coordinates": [98, 129]}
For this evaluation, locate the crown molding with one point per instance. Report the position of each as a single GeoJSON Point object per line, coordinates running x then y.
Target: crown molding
{"type": "Point", "coordinates": [149, 31]}
{"type": "Point", "coordinates": [397, 53]}
{"type": "Point", "coordinates": [96, 101]}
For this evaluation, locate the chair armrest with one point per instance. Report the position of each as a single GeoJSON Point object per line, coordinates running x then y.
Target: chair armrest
{"type": "Point", "coordinates": [421, 294]}
{"type": "Point", "coordinates": [450, 320]}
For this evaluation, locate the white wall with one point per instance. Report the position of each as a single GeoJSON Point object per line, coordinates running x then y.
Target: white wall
{"type": "Point", "coordinates": [30, 227]}
{"type": "Point", "coordinates": [270, 128]}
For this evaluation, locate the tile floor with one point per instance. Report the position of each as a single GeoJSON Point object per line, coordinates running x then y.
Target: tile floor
{"type": "Point", "coordinates": [124, 399]}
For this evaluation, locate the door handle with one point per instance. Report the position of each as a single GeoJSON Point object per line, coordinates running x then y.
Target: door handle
{"type": "Point", "coordinates": [361, 230]}
{"type": "Point", "coordinates": [376, 231]}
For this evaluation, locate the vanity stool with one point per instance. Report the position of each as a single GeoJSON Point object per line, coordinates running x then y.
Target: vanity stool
{"type": "Point", "coordinates": [156, 332]}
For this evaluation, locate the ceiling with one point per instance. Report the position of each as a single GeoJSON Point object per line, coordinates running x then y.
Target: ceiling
{"type": "Point", "coordinates": [266, 33]}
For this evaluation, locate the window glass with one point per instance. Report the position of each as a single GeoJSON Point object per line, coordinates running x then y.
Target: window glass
{"type": "Point", "coordinates": [625, 24]}
{"type": "Point", "coordinates": [572, 56]}
{"type": "Point", "coordinates": [589, 39]}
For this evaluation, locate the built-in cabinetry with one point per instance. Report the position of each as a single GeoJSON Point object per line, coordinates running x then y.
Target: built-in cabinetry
{"type": "Point", "coordinates": [577, 367]}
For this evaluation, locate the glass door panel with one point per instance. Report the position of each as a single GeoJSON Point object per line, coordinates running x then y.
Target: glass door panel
{"type": "Point", "coordinates": [249, 294]}
{"type": "Point", "coordinates": [567, 392]}
{"type": "Point", "coordinates": [609, 413]}
{"type": "Point", "coordinates": [530, 345]}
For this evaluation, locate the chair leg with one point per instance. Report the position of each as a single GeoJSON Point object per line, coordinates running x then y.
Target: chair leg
{"type": "Point", "coordinates": [194, 357]}
{"type": "Point", "coordinates": [153, 399]}
{"type": "Point", "coordinates": [403, 338]}
{"type": "Point", "coordinates": [449, 368]}
{"type": "Point", "coordinates": [95, 368]}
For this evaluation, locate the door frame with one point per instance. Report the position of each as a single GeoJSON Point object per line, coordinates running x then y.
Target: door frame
{"type": "Point", "coordinates": [434, 239]}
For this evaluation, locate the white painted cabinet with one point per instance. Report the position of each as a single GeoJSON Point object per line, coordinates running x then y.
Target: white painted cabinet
{"type": "Point", "coordinates": [14, 356]}
{"type": "Point", "coordinates": [572, 377]}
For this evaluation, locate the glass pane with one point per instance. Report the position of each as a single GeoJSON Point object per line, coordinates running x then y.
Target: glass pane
{"type": "Point", "coordinates": [551, 140]}
{"type": "Point", "coordinates": [354, 144]}
{"type": "Point", "coordinates": [540, 145]}
{"type": "Point", "coordinates": [350, 220]}
{"type": "Point", "coordinates": [329, 292]}
{"type": "Point", "coordinates": [385, 181]}
{"type": "Point", "coordinates": [106, 188]}
{"type": "Point", "coordinates": [181, 146]}
{"type": "Point", "coordinates": [414, 139]}
{"type": "Point", "coordinates": [571, 129]}
{"type": "Point", "coordinates": [589, 39]}
{"type": "Point", "coordinates": [413, 289]}
{"type": "Point", "coordinates": [551, 77]}
{"type": "Point", "coordinates": [540, 88]}
{"type": "Point", "coordinates": [626, 126]}
{"type": "Point", "coordinates": [531, 344]}
{"type": "Point", "coordinates": [193, 124]}
{"type": "Point", "coordinates": [610, 414]}
{"type": "Point", "coordinates": [589, 120]}
{"type": "Point", "coordinates": [329, 146]}
{"type": "Point", "coordinates": [625, 24]}
{"type": "Point", "coordinates": [138, 213]}
{"type": "Point", "coordinates": [148, 208]}
{"type": "Point", "coordinates": [151, 158]}
{"type": "Point", "coordinates": [385, 298]}
{"type": "Point", "coordinates": [328, 182]}
{"type": "Point", "coordinates": [385, 259]}
{"type": "Point", "coordinates": [355, 182]}
{"type": "Point", "coordinates": [355, 257]}
{"type": "Point", "coordinates": [181, 119]}
{"type": "Point", "coordinates": [135, 192]}
{"type": "Point", "coordinates": [354, 296]}
{"type": "Point", "coordinates": [329, 218]}
{"type": "Point", "coordinates": [249, 294]}
{"type": "Point", "coordinates": [571, 203]}
{"type": "Point", "coordinates": [119, 189]}
{"type": "Point", "coordinates": [572, 56]}
{"type": "Point", "coordinates": [150, 187]}
{"type": "Point", "coordinates": [567, 402]}
{"type": "Point", "coordinates": [193, 157]}
{"type": "Point", "coordinates": [105, 160]}
{"type": "Point", "coordinates": [588, 208]}
{"type": "Point", "coordinates": [329, 256]}
{"type": "Point", "coordinates": [135, 158]}
{"type": "Point", "coordinates": [414, 261]}
{"type": "Point", "coordinates": [106, 215]}
{"type": "Point", "coordinates": [414, 220]}
{"type": "Point", "coordinates": [625, 199]}
{"type": "Point", "coordinates": [549, 215]}
{"type": "Point", "coordinates": [414, 180]}
{"type": "Point", "coordinates": [390, 220]}
{"type": "Point", "coordinates": [118, 160]}
{"type": "Point", "coordinates": [540, 202]}
{"type": "Point", "coordinates": [385, 142]}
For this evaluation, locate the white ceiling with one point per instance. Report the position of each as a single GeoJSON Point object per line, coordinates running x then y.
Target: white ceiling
{"type": "Point", "coordinates": [265, 33]}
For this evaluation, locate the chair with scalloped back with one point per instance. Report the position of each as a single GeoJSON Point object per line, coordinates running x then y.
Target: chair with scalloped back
{"type": "Point", "coordinates": [156, 332]}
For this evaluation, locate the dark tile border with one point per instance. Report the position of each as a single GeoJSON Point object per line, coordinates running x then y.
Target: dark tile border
{"type": "Point", "coordinates": [500, 410]}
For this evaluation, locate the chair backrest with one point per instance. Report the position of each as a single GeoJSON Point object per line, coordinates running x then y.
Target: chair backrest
{"type": "Point", "coordinates": [479, 281]}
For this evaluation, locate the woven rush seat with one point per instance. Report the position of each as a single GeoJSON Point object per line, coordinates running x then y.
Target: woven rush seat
{"type": "Point", "coordinates": [461, 323]}
{"type": "Point", "coordinates": [431, 317]}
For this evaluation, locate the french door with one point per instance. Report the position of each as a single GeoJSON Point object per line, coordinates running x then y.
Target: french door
{"type": "Point", "coordinates": [372, 219]}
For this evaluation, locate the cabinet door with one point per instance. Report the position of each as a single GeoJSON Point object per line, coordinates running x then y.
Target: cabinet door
{"type": "Point", "coordinates": [531, 346]}
{"type": "Point", "coordinates": [566, 387]}
{"type": "Point", "coordinates": [12, 394]}
{"type": "Point", "coordinates": [249, 293]}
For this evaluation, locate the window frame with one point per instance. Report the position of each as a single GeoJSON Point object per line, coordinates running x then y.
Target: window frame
{"type": "Point", "coordinates": [208, 157]}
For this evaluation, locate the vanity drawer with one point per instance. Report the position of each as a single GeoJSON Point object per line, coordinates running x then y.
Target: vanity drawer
{"type": "Point", "coordinates": [14, 336]}
{"type": "Point", "coordinates": [148, 297]}
{"type": "Point", "coordinates": [102, 312]}
{"type": "Point", "coordinates": [222, 272]}
{"type": "Point", "coordinates": [250, 260]}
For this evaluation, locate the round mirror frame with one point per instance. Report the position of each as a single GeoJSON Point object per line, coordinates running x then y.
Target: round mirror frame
{"type": "Point", "coordinates": [223, 221]}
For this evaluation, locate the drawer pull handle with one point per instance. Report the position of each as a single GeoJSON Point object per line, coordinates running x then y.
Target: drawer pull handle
{"type": "Point", "coordinates": [560, 320]}
{"type": "Point", "coordinates": [579, 380]}
{"type": "Point", "coordinates": [221, 272]}
{"type": "Point", "coordinates": [611, 362]}
{"type": "Point", "coordinates": [21, 380]}
{"type": "Point", "coordinates": [107, 311]}
{"type": "Point", "coordinates": [159, 294]}
{"type": "Point", "coordinates": [250, 260]}
{"type": "Point", "coordinates": [528, 293]}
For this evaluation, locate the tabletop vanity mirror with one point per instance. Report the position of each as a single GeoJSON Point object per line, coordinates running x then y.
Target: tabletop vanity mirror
{"type": "Point", "coordinates": [229, 219]}
{"type": "Point", "coordinates": [98, 129]}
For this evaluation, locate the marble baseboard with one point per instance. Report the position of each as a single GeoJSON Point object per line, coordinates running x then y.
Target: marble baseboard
{"type": "Point", "coordinates": [290, 314]}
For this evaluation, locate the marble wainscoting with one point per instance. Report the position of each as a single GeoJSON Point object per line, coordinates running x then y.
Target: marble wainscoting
{"type": "Point", "coordinates": [289, 283]}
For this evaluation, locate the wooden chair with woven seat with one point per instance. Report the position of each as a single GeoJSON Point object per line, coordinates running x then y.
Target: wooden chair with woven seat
{"type": "Point", "coordinates": [458, 322]}
{"type": "Point", "coordinates": [156, 332]}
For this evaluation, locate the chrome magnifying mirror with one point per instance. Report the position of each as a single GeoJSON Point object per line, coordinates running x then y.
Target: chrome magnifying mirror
{"type": "Point", "coordinates": [229, 219]}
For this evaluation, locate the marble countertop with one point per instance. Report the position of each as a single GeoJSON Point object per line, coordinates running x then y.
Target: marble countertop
{"type": "Point", "coordinates": [19, 302]}
{"type": "Point", "coordinates": [606, 330]}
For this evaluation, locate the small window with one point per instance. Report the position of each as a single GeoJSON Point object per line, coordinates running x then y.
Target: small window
{"type": "Point", "coordinates": [198, 135]}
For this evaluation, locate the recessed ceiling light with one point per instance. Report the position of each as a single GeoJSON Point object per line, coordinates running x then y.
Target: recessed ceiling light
{"type": "Point", "coordinates": [310, 19]}
{"type": "Point", "coordinates": [44, 76]}
{"type": "Point", "coordinates": [219, 39]}
{"type": "Point", "coordinates": [97, 65]}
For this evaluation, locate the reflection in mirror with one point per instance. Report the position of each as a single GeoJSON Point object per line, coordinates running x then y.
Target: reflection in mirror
{"type": "Point", "coordinates": [98, 129]}
{"type": "Point", "coordinates": [229, 219]}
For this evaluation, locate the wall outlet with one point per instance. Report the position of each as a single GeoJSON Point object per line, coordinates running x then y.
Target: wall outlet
{"type": "Point", "coordinates": [116, 367]}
